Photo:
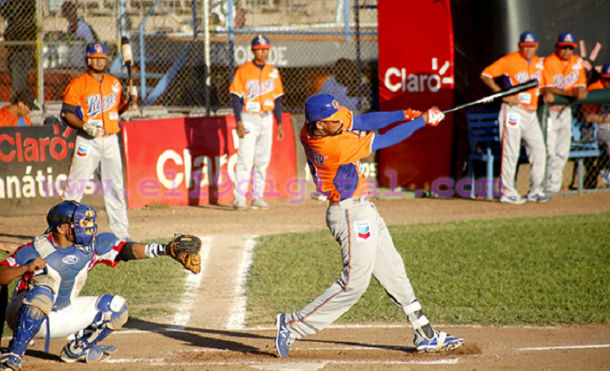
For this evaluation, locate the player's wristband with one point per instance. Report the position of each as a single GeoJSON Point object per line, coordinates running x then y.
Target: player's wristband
{"type": "Point", "coordinates": [153, 250]}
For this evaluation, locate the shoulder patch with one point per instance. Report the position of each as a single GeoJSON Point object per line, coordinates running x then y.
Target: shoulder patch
{"type": "Point", "coordinates": [104, 242]}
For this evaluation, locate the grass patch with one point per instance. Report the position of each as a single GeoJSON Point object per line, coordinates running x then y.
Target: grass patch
{"type": "Point", "coordinates": [542, 271]}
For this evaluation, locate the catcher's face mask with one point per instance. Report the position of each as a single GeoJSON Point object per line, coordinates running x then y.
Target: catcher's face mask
{"type": "Point", "coordinates": [80, 217]}
{"type": "Point", "coordinates": [85, 227]}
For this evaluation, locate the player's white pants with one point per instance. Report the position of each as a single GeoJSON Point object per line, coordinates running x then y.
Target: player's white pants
{"type": "Point", "coordinates": [254, 150]}
{"type": "Point", "coordinates": [516, 124]}
{"type": "Point", "coordinates": [88, 154]}
{"type": "Point", "coordinates": [558, 139]}
{"type": "Point", "coordinates": [366, 249]}
{"type": "Point", "coordinates": [63, 323]}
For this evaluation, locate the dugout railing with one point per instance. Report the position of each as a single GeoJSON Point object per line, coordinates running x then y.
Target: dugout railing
{"type": "Point", "coordinates": [588, 165]}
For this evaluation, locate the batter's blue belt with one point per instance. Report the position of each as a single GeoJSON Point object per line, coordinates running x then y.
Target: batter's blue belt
{"type": "Point", "coordinates": [350, 201]}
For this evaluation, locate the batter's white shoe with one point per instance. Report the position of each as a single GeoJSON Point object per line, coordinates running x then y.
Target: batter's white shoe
{"type": "Point", "coordinates": [440, 342]}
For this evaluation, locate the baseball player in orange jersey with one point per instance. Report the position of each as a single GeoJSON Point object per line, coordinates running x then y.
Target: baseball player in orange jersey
{"type": "Point", "coordinates": [564, 74]}
{"type": "Point", "coordinates": [256, 92]}
{"type": "Point", "coordinates": [333, 153]}
{"type": "Point", "coordinates": [518, 119]}
{"type": "Point", "coordinates": [92, 103]}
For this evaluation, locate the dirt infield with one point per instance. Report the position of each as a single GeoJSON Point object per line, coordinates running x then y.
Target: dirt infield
{"type": "Point", "coordinates": [206, 341]}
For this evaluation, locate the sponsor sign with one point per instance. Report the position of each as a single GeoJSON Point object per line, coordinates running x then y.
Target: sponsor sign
{"type": "Point", "coordinates": [191, 161]}
{"type": "Point", "coordinates": [416, 69]}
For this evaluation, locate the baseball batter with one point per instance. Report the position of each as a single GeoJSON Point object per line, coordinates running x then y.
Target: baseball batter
{"type": "Point", "coordinates": [52, 270]}
{"type": "Point", "coordinates": [256, 92]}
{"type": "Point", "coordinates": [518, 119]}
{"type": "Point", "coordinates": [333, 153]}
{"type": "Point", "coordinates": [564, 74]}
{"type": "Point", "coordinates": [92, 103]}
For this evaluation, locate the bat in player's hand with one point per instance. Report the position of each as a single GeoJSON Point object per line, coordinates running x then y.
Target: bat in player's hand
{"type": "Point", "coordinates": [502, 93]}
{"type": "Point", "coordinates": [128, 62]}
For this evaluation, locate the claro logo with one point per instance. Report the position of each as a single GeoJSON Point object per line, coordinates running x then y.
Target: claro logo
{"type": "Point", "coordinates": [173, 169]}
{"type": "Point", "coordinates": [398, 79]}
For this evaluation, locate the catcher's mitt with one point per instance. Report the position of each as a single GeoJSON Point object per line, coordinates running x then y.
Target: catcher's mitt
{"type": "Point", "coordinates": [185, 249]}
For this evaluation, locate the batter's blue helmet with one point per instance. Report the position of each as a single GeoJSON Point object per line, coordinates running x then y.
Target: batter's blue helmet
{"type": "Point", "coordinates": [319, 107]}
{"type": "Point", "coordinates": [81, 215]}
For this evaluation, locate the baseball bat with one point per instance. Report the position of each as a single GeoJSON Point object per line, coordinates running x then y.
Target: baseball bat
{"type": "Point", "coordinates": [502, 93]}
{"type": "Point", "coordinates": [127, 62]}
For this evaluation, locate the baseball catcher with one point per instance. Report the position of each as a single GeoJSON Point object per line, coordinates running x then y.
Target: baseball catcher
{"type": "Point", "coordinates": [52, 270]}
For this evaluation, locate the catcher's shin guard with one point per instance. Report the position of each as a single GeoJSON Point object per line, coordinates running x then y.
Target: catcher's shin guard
{"type": "Point", "coordinates": [112, 315]}
{"type": "Point", "coordinates": [28, 322]}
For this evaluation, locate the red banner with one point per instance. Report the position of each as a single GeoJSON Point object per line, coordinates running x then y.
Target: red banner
{"type": "Point", "coordinates": [416, 70]}
{"type": "Point", "coordinates": [191, 161]}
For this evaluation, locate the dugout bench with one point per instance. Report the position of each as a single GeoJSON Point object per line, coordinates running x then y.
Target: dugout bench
{"type": "Point", "coordinates": [486, 147]}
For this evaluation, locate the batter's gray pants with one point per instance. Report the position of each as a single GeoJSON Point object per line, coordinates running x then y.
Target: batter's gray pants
{"type": "Point", "coordinates": [366, 249]}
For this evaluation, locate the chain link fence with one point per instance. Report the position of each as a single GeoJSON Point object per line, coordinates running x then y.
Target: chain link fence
{"type": "Point", "coordinates": [591, 133]}
{"type": "Point", "coordinates": [318, 45]}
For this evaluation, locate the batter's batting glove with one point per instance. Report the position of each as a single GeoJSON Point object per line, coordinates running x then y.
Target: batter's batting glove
{"type": "Point", "coordinates": [412, 114]}
{"type": "Point", "coordinates": [434, 116]}
{"type": "Point", "coordinates": [185, 249]}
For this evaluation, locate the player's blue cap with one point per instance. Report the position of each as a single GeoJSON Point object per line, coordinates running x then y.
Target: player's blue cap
{"type": "Point", "coordinates": [606, 71]}
{"type": "Point", "coordinates": [96, 50]}
{"type": "Point", "coordinates": [319, 107]}
{"type": "Point", "coordinates": [566, 39]}
{"type": "Point", "coordinates": [528, 38]}
{"type": "Point", "coordinates": [261, 42]}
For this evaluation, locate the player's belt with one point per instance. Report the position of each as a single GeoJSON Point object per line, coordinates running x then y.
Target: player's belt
{"type": "Point", "coordinates": [527, 108]}
{"type": "Point", "coordinates": [260, 113]}
{"type": "Point", "coordinates": [350, 201]}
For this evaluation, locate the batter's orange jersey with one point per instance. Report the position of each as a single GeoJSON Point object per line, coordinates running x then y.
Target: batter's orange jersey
{"type": "Point", "coordinates": [565, 75]}
{"type": "Point", "coordinates": [7, 118]}
{"type": "Point", "coordinates": [258, 88]}
{"type": "Point", "coordinates": [519, 70]}
{"type": "Point", "coordinates": [334, 161]}
{"type": "Point", "coordinates": [96, 100]}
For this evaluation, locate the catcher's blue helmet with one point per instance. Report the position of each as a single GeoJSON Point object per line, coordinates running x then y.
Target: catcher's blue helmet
{"type": "Point", "coordinates": [81, 216]}
{"type": "Point", "coordinates": [319, 107]}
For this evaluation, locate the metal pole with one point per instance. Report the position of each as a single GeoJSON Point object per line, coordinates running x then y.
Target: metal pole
{"type": "Point", "coordinates": [231, 38]}
{"type": "Point", "coordinates": [346, 19]}
{"type": "Point", "coordinates": [206, 55]}
{"type": "Point", "coordinates": [39, 57]}
{"type": "Point", "coordinates": [358, 60]}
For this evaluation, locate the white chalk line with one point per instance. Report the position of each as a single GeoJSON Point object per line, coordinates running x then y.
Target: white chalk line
{"type": "Point", "coordinates": [192, 283]}
{"type": "Point", "coordinates": [285, 365]}
{"type": "Point", "coordinates": [237, 316]}
{"type": "Point", "coordinates": [563, 347]}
